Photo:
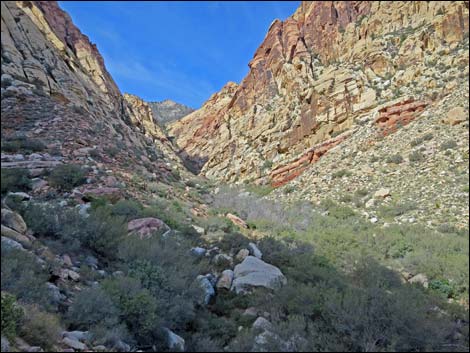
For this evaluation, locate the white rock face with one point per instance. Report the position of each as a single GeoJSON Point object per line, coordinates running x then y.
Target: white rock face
{"type": "Point", "coordinates": [253, 272]}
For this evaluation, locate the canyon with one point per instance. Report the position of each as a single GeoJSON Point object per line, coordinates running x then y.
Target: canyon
{"type": "Point", "coordinates": [293, 211]}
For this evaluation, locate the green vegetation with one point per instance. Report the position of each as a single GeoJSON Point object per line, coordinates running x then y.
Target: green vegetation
{"type": "Point", "coordinates": [66, 177]}
{"type": "Point", "coordinates": [14, 180]}
{"type": "Point", "coordinates": [22, 144]}
{"type": "Point", "coordinates": [448, 145]}
{"type": "Point", "coordinates": [11, 315]}
{"type": "Point", "coordinates": [396, 159]}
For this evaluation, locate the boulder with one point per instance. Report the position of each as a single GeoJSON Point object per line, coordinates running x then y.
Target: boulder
{"type": "Point", "coordinates": [5, 345]}
{"type": "Point", "coordinates": [174, 342]}
{"type": "Point", "coordinates": [111, 194]}
{"type": "Point", "coordinates": [38, 184]}
{"type": "Point", "coordinates": [11, 244]}
{"type": "Point", "coordinates": [21, 196]}
{"type": "Point", "coordinates": [222, 260]}
{"type": "Point", "coordinates": [208, 288]}
{"type": "Point", "coordinates": [198, 229]}
{"type": "Point", "coordinates": [81, 336]}
{"type": "Point", "coordinates": [382, 193]}
{"type": "Point", "coordinates": [73, 343]}
{"type": "Point", "coordinates": [12, 234]}
{"type": "Point", "coordinates": [421, 279]}
{"type": "Point", "coordinates": [13, 220]}
{"type": "Point", "coordinates": [455, 116]}
{"type": "Point", "coordinates": [242, 254]}
{"type": "Point", "coordinates": [197, 251]}
{"type": "Point", "coordinates": [236, 220]}
{"type": "Point", "coordinates": [255, 251]}
{"type": "Point", "coordinates": [262, 324]}
{"type": "Point", "coordinates": [253, 272]}
{"type": "Point", "coordinates": [146, 227]}
{"type": "Point", "coordinates": [225, 280]}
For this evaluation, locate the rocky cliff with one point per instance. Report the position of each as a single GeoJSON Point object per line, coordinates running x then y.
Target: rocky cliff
{"type": "Point", "coordinates": [320, 74]}
{"type": "Point", "coordinates": [168, 111]}
{"type": "Point", "coordinates": [56, 89]}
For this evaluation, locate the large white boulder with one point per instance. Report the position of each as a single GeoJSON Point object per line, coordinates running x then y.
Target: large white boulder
{"type": "Point", "coordinates": [253, 272]}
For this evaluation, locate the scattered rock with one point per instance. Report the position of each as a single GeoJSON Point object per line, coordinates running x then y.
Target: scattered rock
{"type": "Point", "coordinates": [198, 229]}
{"type": "Point", "coordinates": [208, 288]}
{"type": "Point", "coordinates": [174, 342]}
{"type": "Point", "coordinates": [75, 344]}
{"type": "Point", "coordinates": [236, 220]}
{"type": "Point", "coordinates": [38, 184]}
{"type": "Point", "coordinates": [146, 227]}
{"type": "Point", "coordinates": [382, 193]}
{"type": "Point", "coordinates": [197, 251]}
{"type": "Point", "coordinates": [253, 272]}
{"type": "Point", "coordinates": [21, 196]}
{"type": "Point", "coordinates": [421, 279]}
{"type": "Point", "coordinates": [255, 251]}
{"type": "Point", "coordinates": [262, 324]}
{"type": "Point", "coordinates": [242, 254]}
{"type": "Point", "coordinates": [222, 260]}
{"type": "Point", "coordinates": [11, 244]}
{"type": "Point", "coordinates": [455, 116]}
{"type": "Point", "coordinates": [12, 234]}
{"type": "Point", "coordinates": [225, 280]}
{"type": "Point", "coordinates": [81, 336]}
{"type": "Point", "coordinates": [5, 344]}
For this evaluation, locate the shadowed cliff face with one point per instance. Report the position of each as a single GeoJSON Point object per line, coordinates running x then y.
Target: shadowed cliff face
{"type": "Point", "coordinates": [316, 75]}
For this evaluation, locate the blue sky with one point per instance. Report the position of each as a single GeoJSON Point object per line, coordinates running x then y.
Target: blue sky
{"type": "Point", "coordinates": [184, 51]}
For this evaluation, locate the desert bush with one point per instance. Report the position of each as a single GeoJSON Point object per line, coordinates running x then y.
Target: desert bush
{"type": "Point", "coordinates": [416, 156]}
{"type": "Point", "coordinates": [23, 277]}
{"type": "Point", "coordinates": [92, 307]}
{"type": "Point", "coordinates": [23, 144]}
{"type": "Point", "coordinates": [14, 180]}
{"type": "Point", "coordinates": [341, 173]}
{"type": "Point", "coordinates": [66, 177]}
{"type": "Point", "coordinates": [396, 159]}
{"type": "Point", "coordinates": [448, 145]}
{"type": "Point", "coordinates": [12, 315]}
{"type": "Point", "coordinates": [40, 328]}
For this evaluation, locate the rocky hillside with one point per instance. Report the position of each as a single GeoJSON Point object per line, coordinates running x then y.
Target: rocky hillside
{"type": "Point", "coordinates": [56, 91]}
{"type": "Point", "coordinates": [109, 243]}
{"type": "Point", "coordinates": [318, 75]}
{"type": "Point", "coordinates": [168, 111]}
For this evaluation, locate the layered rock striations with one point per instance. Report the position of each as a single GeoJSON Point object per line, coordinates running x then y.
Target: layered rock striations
{"type": "Point", "coordinates": [316, 75]}
{"type": "Point", "coordinates": [56, 89]}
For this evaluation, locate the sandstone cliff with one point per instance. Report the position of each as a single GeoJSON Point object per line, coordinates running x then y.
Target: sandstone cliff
{"type": "Point", "coordinates": [168, 111]}
{"type": "Point", "coordinates": [56, 89]}
{"type": "Point", "coordinates": [316, 76]}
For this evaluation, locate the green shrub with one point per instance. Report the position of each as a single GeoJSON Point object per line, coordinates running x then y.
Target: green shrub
{"type": "Point", "coordinates": [66, 177]}
{"type": "Point", "coordinates": [40, 328]}
{"type": "Point", "coordinates": [92, 307]}
{"type": "Point", "coordinates": [396, 158]}
{"type": "Point", "coordinates": [289, 189]}
{"type": "Point", "coordinates": [22, 277]}
{"type": "Point", "coordinates": [341, 173]}
{"type": "Point", "coordinates": [14, 180]}
{"type": "Point", "coordinates": [448, 145]}
{"type": "Point", "coordinates": [443, 287]}
{"type": "Point", "coordinates": [12, 314]}
{"type": "Point", "coordinates": [416, 156]}
{"type": "Point", "coordinates": [23, 144]}
{"type": "Point", "coordinates": [138, 308]}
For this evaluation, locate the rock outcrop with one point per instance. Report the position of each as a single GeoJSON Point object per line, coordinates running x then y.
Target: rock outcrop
{"type": "Point", "coordinates": [167, 111]}
{"type": "Point", "coordinates": [253, 272]}
{"type": "Point", "coordinates": [318, 75]}
{"type": "Point", "coordinates": [56, 89]}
